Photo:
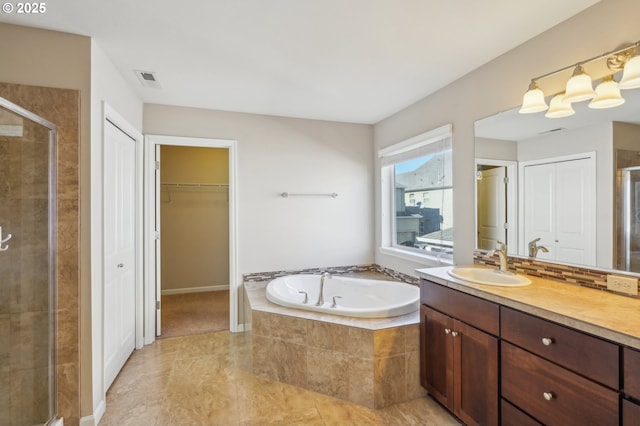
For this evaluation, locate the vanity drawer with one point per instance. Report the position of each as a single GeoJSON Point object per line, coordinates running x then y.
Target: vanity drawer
{"type": "Point", "coordinates": [590, 356]}
{"type": "Point", "coordinates": [474, 311]}
{"type": "Point", "coordinates": [512, 416]}
{"type": "Point", "coordinates": [552, 394]}
{"type": "Point", "coordinates": [631, 380]}
{"type": "Point", "coordinates": [630, 413]}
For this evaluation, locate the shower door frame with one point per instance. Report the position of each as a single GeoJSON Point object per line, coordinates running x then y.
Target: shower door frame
{"type": "Point", "coordinates": [52, 246]}
{"type": "Point", "coordinates": [626, 216]}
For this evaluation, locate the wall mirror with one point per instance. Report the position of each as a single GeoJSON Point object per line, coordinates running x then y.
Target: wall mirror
{"type": "Point", "coordinates": [564, 190]}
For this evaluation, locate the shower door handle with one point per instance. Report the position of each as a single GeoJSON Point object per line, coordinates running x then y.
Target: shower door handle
{"type": "Point", "coordinates": [3, 246]}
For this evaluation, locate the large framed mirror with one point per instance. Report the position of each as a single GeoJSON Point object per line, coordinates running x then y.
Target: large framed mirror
{"type": "Point", "coordinates": [563, 190]}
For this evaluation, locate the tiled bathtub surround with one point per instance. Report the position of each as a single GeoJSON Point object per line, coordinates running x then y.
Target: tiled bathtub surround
{"type": "Point", "coordinates": [267, 276]}
{"type": "Point", "coordinates": [586, 277]}
{"type": "Point", "coordinates": [371, 362]}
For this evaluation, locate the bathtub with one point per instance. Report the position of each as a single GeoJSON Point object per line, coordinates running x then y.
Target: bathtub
{"type": "Point", "coordinates": [354, 297]}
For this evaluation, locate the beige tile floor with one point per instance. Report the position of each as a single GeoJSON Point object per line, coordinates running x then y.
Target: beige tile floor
{"type": "Point", "coordinates": [206, 379]}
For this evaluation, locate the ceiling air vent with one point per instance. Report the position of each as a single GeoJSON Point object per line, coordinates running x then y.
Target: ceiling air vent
{"type": "Point", "coordinates": [148, 79]}
{"type": "Point", "coordinates": [546, 132]}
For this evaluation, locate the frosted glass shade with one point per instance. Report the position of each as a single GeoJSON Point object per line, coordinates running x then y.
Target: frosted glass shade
{"type": "Point", "coordinates": [631, 74]}
{"type": "Point", "coordinates": [558, 108]}
{"type": "Point", "coordinates": [607, 94]}
{"type": "Point", "coordinates": [579, 87]}
{"type": "Point", "coordinates": [533, 100]}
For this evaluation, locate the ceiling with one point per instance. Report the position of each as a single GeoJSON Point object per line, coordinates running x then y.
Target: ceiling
{"type": "Point", "coordinates": [342, 60]}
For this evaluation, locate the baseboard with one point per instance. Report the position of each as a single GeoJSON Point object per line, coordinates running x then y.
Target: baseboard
{"type": "Point", "coordinates": [95, 418]}
{"type": "Point", "coordinates": [57, 422]}
{"type": "Point", "coordinates": [171, 291]}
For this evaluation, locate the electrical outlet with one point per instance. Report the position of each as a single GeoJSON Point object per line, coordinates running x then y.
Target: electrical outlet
{"type": "Point", "coordinates": [628, 285]}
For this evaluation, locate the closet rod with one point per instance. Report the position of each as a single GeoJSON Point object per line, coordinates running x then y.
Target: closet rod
{"type": "Point", "coordinates": [288, 194]}
{"type": "Point", "coordinates": [195, 185]}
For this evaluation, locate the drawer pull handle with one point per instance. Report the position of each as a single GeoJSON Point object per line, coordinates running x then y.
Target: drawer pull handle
{"type": "Point", "coordinates": [447, 331]}
{"type": "Point", "coordinates": [547, 395]}
{"type": "Point", "coordinates": [547, 341]}
{"type": "Point", "coordinates": [454, 333]}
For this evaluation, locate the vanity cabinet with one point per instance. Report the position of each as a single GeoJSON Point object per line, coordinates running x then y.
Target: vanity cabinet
{"type": "Point", "coordinates": [555, 374]}
{"type": "Point", "coordinates": [459, 352]}
{"type": "Point", "coordinates": [631, 387]}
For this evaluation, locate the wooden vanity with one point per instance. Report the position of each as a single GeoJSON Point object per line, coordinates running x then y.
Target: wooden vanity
{"type": "Point", "coordinates": [502, 356]}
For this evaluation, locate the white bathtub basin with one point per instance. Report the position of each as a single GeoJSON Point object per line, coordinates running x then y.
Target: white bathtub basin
{"type": "Point", "coordinates": [355, 297]}
{"type": "Point", "coordinates": [489, 276]}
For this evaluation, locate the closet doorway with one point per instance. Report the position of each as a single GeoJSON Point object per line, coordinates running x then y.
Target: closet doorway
{"type": "Point", "coordinates": [190, 255]}
{"type": "Point", "coordinates": [194, 243]}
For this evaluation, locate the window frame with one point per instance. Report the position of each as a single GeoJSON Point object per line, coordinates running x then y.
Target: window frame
{"type": "Point", "coordinates": [413, 147]}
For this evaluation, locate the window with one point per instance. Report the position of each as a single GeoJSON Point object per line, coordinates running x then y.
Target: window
{"type": "Point", "coordinates": [417, 195]}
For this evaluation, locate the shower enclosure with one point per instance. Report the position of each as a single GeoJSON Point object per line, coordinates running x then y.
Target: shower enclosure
{"type": "Point", "coordinates": [630, 179]}
{"type": "Point", "coordinates": [27, 267]}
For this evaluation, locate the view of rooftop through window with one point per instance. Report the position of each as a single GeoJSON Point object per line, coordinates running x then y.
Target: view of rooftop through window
{"type": "Point", "coordinates": [423, 202]}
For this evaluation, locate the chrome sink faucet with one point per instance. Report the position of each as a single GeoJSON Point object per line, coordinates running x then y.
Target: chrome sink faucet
{"type": "Point", "coordinates": [534, 248]}
{"type": "Point", "coordinates": [501, 250]}
{"type": "Point", "coordinates": [324, 276]}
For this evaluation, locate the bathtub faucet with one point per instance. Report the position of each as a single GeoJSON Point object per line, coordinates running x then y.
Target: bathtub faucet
{"type": "Point", "coordinates": [324, 275]}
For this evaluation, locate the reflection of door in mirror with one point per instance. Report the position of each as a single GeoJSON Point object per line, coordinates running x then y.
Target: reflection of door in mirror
{"type": "Point", "coordinates": [491, 207]}
{"type": "Point", "coordinates": [631, 219]}
{"type": "Point", "coordinates": [495, 211]}
{"type": "Point", "coordinates": [558, 205]}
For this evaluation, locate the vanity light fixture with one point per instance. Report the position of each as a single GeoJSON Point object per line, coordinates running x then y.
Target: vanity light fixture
{"type": "Point", "coordinates": [607, 94]}
{"type": "Point", "coordinates": [558, 108]}
{"type": "Point", "coordinates": [580, 86]}
{"type": "Point", "coordinates": [631, 74]}
{"type": "Point", "coordinates": [533, 100]}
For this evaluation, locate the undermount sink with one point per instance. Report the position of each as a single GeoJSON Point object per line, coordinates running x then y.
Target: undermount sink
{"type": "Point", "coordinates": [489, 276]}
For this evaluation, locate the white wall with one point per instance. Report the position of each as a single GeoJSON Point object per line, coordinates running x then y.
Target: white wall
{"type": "Point", "coordinates": [499, 86]}
{"type": "Point", "coordinates": [496, 149]}
{"type": "Point", "coordinates": [275, 155]}
{"type": "Point", "coordinates": [107, 85]}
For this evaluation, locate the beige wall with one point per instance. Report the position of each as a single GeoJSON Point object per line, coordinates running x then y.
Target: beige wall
{"type": "Point", "coordinates": [277, 154]}
{"type": "Point", "coordinates": [194, 221]}
{"type": "Point", "coordinates": [498, 86]}
{"type": "Point", "coordinates": [53, 59]}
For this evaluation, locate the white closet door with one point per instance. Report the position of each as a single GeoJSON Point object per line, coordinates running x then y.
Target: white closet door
{"type": "Point", "coordinates": [575, 212]}
{"type": "Point", "coordinates": [492, 207]}
{"type": "Point", "coordinates": [539, 207]}
{"type": "Point", "coordinates": [559, 208]}
{"type": "Point", "coordinates": [119, 250]}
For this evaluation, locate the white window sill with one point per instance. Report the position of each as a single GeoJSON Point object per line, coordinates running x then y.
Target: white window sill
{"type": "Point", "coordinates": [423, 259]}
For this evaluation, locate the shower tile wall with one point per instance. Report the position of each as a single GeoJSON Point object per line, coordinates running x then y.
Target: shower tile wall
{"type": "Point", "coordinates": [18, 342]}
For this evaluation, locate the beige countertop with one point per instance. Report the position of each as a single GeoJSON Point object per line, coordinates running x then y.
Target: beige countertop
{"type": "Point", "coordinates": [607, 315]}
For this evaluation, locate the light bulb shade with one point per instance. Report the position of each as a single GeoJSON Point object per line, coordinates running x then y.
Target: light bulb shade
{"type": "Point", "coordinates": [558, 108]}
{"type": "Point", "coordinates": [607, 94]}
{"type": "Point", "coordinates": [579, 87]}
{"type": "Point", "coordinates": [631, 74]}
{"type": "Point", "coordinates": [533, 100]}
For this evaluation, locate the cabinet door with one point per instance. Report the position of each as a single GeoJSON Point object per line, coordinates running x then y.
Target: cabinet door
{"type": "Point", "coordinates": [437, 355]}
{"type": "Point", "coordinates": [476, 375]}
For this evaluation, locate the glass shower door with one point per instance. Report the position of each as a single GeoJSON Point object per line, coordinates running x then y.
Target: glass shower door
{"type": "Point", "coordinates": [631, 218]}
{"type": "Point", "coordinates": [27, 267]}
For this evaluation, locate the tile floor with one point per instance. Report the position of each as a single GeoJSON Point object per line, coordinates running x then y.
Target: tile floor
{"type": "Point", "coordinates": [206, 379]}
